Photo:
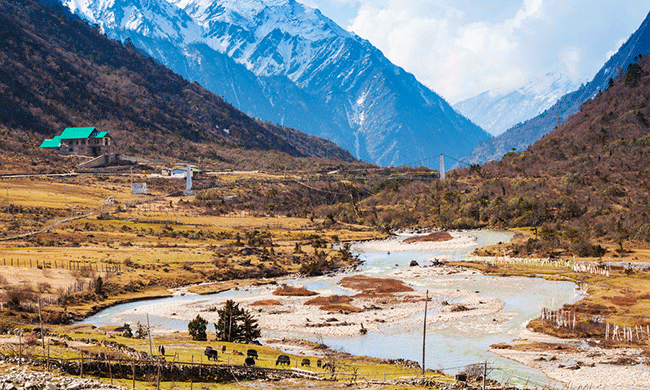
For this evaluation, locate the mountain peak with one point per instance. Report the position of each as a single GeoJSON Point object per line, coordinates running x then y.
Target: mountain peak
{"type": "Point", "coordinates": [522, 135]}
{"type": "Point", "coordinates": [497, 111]}
{"type": "Point", "coordinates": [289, 64]}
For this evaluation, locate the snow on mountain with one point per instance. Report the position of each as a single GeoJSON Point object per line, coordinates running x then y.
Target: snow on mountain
{"type": "Point", "coordinates": [497, 112]}
{"type": "Point", "coordinates": [152, 19]}
{"type": "Point", "coordinates": [525, 134]}
{"type": "Point", "coordinates": [287, 63]}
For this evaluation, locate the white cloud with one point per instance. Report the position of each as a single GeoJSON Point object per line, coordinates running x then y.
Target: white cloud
{"type": "Point", "coordinates": [461, 48]}
{"type": "Point", "coordinates": [456, 59]}
{"type": "Point", "coordinates": [570, 59]}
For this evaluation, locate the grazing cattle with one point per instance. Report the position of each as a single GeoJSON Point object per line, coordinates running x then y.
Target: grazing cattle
{"type": "Point", "coordinates": [283, 360]}
{"type": "Point", "coordinates": [252, 353]}
{"type": "Point", "coordinates": [212, 354]}
{"type": "Point", "coordinates": [328, 366]}
{"type": "Point", "coordinates": [461, 378]}
{"type": "Point", "coordinates": [223, 349]}
{"type": "Point", "coordinates": [249, 361]}
{"type": "Point", "coordinates": [318, 363]}
{"type": "Point", "coordinates": [305, 362]}
{"type": "Point", "coordinates": [236, 352]}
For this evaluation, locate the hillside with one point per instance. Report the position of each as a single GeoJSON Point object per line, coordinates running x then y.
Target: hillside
{"type": "Point", "coordinates": [57, 72]}
{"type": "Point", "coordinates": [287, 63]}
{"type": "Point", "coordinates": [525, 134]}
{"type": "Point", "coordinates": [586, 182]}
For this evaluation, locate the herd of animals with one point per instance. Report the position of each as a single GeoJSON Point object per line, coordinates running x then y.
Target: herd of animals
{"type": "Point", "coordinates": [251, 355]}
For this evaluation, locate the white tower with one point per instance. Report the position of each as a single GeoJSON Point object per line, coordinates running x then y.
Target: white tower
{"type": "Point", "coordinates": [442, 168]}
{"type": "Point", "coordinates": [188, 184]}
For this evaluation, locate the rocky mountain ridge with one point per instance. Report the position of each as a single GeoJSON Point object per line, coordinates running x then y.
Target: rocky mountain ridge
{"type": "Point", "coordinates": [288, 64]}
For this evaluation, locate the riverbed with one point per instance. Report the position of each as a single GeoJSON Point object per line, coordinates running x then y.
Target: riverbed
{"type": "Point", "coordinates": [503, 307]}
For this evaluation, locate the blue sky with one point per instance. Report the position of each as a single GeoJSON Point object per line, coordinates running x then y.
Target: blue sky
{"type": "Point", "coordinates": [461, 48]}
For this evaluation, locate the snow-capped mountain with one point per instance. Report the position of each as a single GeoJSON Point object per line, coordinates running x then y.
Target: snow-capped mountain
{"type": "Point", "coordinates": [497, 112]}
{"type": "Point", "coordinates": [284, 62]}
{"type": "Point", "coordinates": [525, 134]}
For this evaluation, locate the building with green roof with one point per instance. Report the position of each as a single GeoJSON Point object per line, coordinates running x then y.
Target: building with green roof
{"type": "Point", "coordinates": [86, 141]}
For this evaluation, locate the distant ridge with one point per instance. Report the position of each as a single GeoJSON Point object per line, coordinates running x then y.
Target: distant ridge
{"type": "Point", "coordinates": [498, 112]}
{"type": "Point", "coordinates": [523, 135]}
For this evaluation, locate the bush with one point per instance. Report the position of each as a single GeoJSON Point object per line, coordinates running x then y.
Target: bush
{"type": "Point", "coordinates": [99, 284]}
{"type": "Point", "coordinates": [127, 331]}
{"type": "Point", "coordinates": [197, 328]}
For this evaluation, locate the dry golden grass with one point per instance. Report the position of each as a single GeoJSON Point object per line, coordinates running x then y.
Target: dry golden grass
{"type": "Point", "coordinates": [334, 303]}
{"type": "Point", "coordinates": [621, 299]}
{"type": "Point", "coordinates": [370, 285]}
{"type": "Point", "coordinates": [267, 302]}
{"type": "Point", "coordinates": [142, 250]}
{"type": "Point", "coordinates": [432, 237]}
{"type": "Point", "coordinates": [181, 348]}
{"type": "Point", "coordinates": [286, 290]}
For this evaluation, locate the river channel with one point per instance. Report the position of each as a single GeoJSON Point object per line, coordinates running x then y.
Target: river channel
{"type": "Point", "coordinates": [450, 345]}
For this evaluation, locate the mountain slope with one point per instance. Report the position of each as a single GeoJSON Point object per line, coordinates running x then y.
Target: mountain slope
{"type": "Point", "coordinates": [523, 135]}
{"type": "Point", "coordinates": [587, 180]}
{"type": "Point", "coordinates": [57, 72]}
{"type": "Point", "coordinates": [497, 112]}
{"type": "Point", "coordinates": [287, 63]}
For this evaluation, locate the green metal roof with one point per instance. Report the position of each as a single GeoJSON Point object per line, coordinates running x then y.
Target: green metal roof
{"type": "Point", "coordinates": [73, 133]}
{"type": "Point", "coordinates": [77, 132]}
{"type": "Point", "coordinates": [51, 143]}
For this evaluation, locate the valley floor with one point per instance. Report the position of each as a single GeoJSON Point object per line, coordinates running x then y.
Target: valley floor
{"type": "Point", "coordinates": [578, 365]}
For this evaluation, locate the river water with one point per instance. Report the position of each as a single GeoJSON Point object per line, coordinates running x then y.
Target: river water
{"type": "Point", "coordinates": [449, 345]}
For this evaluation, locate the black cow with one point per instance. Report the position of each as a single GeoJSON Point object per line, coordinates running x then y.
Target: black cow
{"type": "Point", "coordinates": [461, 378]}
{"type": "Point", "coordinates": [318, 363]}
{"type": "Point", "coordinates": [249, 361]}
{"type": "Point", "coordinates": [305, 362]}
{"type": "Point", "coordinates": [283, 360]}
{"type": "Point", "coordinates": [252, 353]}
{"type": "Point", "coordinates": [328, 366]}
{"type": "Point", "coordinates": [212, 354]}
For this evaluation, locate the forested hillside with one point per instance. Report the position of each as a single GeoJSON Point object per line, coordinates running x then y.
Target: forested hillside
{"type": "Point", "coordinates": [586, 182]}
{"type": "Point", "coordinates": [57, 72]}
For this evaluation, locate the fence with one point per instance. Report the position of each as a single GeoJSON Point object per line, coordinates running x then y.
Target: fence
{"type": "Point", "coordinates": [158, 370]}
{"type": "Point", "coordinates": [567, 319]}
{"type": "Point", "coordinates": [72, 265]}
{"type": "Point", "coordinates": [142, 367]}
{"type": "Point", "coordinates": [583, 267]}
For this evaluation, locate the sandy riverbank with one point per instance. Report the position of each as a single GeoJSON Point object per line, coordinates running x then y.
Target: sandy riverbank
{"type": "Point", "coordinates": [291, 314]}
{"type": "Point", "coordinates": [578, 365]}
{"type": "Point", "coordinates": [396, 244]}
{"type": "Point", "coordinates": [372, 312]}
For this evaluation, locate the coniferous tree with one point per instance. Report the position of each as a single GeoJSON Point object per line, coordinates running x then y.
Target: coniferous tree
{"type": "Point", "coordinates": [197, 328]}
{"type": "Point", "coordinates": [250, 330]}
{"type": "Point", "coordinates": [236, 324]}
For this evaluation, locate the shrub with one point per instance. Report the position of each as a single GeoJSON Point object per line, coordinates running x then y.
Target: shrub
{"type": "Point", "coordinates": [99, 285]}
{"type": "Point", "coordinates": [197, 328]}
